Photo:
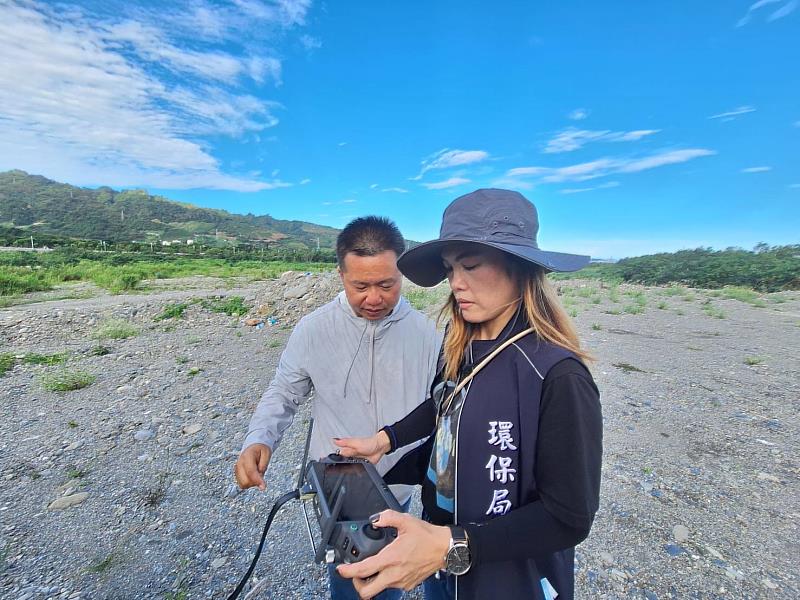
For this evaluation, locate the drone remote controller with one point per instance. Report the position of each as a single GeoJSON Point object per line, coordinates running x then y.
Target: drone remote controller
{"type": "Point", "coordinates": [347, 492]}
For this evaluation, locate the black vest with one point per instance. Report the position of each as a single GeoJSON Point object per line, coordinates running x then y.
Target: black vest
{"type": "Point", "coordinates": [506, 391]}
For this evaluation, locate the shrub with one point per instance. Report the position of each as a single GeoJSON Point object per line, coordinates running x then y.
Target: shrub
{"type": "Point", "coordinates": [12, 283]}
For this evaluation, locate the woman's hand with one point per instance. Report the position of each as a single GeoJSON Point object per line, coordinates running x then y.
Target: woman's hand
{"type": "Point", "coordinates": [416, 554]}
{"type": "Point", "coordinates": [372, 448]}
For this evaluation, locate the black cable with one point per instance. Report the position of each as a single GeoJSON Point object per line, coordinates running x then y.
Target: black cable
{"type": "Point", "coordinates": [293, 495]}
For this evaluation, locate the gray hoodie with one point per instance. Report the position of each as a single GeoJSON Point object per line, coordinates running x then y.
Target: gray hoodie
{"type": "Point", "coordinates": [362, 374]}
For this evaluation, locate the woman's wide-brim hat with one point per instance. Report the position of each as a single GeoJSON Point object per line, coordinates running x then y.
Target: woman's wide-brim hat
{"type": "Point", "coordinates": [501, 219]}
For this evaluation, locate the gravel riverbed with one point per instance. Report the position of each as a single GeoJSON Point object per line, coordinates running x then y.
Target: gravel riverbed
{"type": "Point", "coordinates": [124, 489]}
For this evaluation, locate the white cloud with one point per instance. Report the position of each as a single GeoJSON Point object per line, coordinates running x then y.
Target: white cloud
{"type": "Point", "coordinates": [124, 102]}
{"type": "Point", "coordinates": [310, 43]}
{"type": "Point", "coordinates": [305, 181]}
{"type": "Point", "coordinates": [448, 183]}
{"type": "Point", "coordinates": [348, 201]}
{"type": "Point", "coordinates": [729, 115]}
{"type": "Point", "coordinates": [796, 123]}
{"type": "Point", "coordinates": [511, 183]}
{"type": "Point", "coordinates": [397, 190]}
{"type": "Point", "coordinates": [579, 114]}
{"type": "Point", "coordinates": [756, 169]}
{"type": "Point", "coordinates": [794, 186]}
{"type": "Point", "coordinates": [340, 144]}
{"type": "Point", "coordinates": [607, 166]}
{"type": "Point", "coordinates": [787, 7]}
{"type": "Point", "coordinates": [445, 158]}
{"type": "Point", "coordinates": [602, 186]}
{"type": "Point", "coordinates": [373, 186]}
{"type": "Point", "coordinates": [572, 139]}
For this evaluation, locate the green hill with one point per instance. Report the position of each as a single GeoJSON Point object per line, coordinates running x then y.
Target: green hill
{"type": "Point", "coordinates": [39, 205]}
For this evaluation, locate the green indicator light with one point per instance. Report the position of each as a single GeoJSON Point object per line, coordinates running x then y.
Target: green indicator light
{"type": "Point", "coordinates": [353, 526]}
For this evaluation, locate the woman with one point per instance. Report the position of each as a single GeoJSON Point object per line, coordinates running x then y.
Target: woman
{"type": "Point", "coordinates": [511, 476]}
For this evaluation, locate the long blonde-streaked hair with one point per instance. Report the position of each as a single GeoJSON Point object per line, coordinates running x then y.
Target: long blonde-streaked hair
{"type": "Point", "coordinates": [541, 306]}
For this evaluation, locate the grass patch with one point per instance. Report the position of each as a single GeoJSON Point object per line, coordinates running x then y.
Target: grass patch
{"type": "Point", "coordinates": [753, 360]}
{"type": "Point", "coordinates": [573, 312]}
{"type": "Point", "coordinates": [231, 306]}
{"type": "Point", "coordinates": [72, 424]}
{"type": "Point", "coordinates": [662, 305]}
{"type": "Point", "coordinates": [597, 326]}
{"type": "Point", "coordinates": [179, 594]}
{"type": "Point", "coordinates": [172, 311]}
{"type": "Point", "coordinates": [613, 311]}
{"type": "Point", "coordinates": [628, 368]}
{"type": "Point", "coordinates": [274, 344]}
{"type": "Point", "coordinates": [713, 311]}
{"type": "Point", "coordinates": [75, 473]}
{"type": "Point", "coordinates": [23, 280]}
{"type": "Point", "coordinates": [154, 495]}
{"type": "Point", "coordinates": [633, 309]}
{"type": "Point", "coordinates": [613, 294]}
{"type": "Point", "coordinates": [115, 329]}
{"type": "Point", "coordinates": [742, 294]}
{"type": "Point", "coordinates": [193, 371]}
{"type": "Point", "coordinates": [100, 350]}
{"type": "Point", "coordinates": [102, 566]}
{"type": "Point", "coordinates": [45, 359]}
{"type": "Point", "coordinates": [673, 290]}
{"type": "Point", "coordinates": [181, 360]}
{"type": "Point", "coordinates": [421, 298]}
{"type": "Point", "coordinates": [66, 380]}
{"type": "Point", "coordinates": [7, 361]}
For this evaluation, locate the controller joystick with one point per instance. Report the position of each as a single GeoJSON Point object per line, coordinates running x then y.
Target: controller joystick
{"type": "Point", "coordinates": [372, 532]}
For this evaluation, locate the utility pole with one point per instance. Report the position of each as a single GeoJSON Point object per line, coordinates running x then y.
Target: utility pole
{"type": "Point", "coordinates": [31, 242]}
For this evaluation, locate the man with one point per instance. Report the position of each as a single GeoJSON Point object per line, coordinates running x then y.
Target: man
{"type": "Point", "coordinates": [368, 357]}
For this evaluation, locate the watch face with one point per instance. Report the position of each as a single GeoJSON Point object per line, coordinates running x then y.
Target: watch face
{"type": "Point", "coordinates": [458, 559]}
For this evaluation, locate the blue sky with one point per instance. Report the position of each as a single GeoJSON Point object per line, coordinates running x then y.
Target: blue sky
{"type": "Point", "coordinates": [635, 127]}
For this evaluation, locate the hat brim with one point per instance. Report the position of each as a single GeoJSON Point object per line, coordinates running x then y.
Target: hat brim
{"type": "Point", "coordinates": [423, 264]}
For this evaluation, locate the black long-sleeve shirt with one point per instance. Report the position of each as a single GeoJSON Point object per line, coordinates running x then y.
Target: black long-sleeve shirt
{"type": "Point", "coordinates": [567, 472]}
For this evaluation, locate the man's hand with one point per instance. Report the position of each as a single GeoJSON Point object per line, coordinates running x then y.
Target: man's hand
{"type": "Point", "coordinates": [249, 469]}
{"type": "Point", "coordinates": [417, 553]}
{"type": "Point", "coordinates": [372, 448]}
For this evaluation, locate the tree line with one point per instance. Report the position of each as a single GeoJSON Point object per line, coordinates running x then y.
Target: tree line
{"type": "Point", "coordinates": [765, 268]}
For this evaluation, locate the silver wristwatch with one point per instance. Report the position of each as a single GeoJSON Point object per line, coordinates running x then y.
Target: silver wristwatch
{"type": "Point", "coordinates": [458, 559]}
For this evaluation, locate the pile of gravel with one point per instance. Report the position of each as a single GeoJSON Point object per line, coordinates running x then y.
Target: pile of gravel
{"type": "Point", "coordinates": [124, 489]}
